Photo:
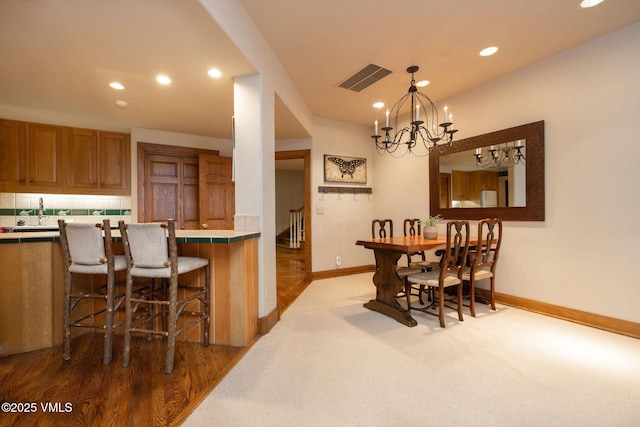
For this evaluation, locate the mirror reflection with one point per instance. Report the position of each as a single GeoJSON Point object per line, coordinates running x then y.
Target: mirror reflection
{"type": "Point", "coordinates": [485, 177]}
{"type": "Point", "coordinates": [485, 162]}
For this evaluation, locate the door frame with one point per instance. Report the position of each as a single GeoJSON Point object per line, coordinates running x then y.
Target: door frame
{"type": "Point", "coordinates": [306, 156]}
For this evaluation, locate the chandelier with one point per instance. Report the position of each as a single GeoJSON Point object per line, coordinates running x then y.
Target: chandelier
{"type": "Point", "coordinates": [425, 132]}
{"type": "Point", "coordinates": [501, 155]}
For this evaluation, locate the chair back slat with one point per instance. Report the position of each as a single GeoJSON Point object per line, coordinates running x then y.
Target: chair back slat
{"type": "Point", "coordinates": [455, 254]}
{"type": "Point", "coordinates": [379, 228]}
{"type": "Point", "coordinates": [412, 227]}
{"type": "Point", "coordinates": [489, 242]}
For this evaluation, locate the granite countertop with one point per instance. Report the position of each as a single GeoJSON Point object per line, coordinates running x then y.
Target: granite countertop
{"type": "Point", "coordinates": [182, 236]}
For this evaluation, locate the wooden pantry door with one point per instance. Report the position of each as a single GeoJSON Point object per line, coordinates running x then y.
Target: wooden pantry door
{"type": "Point", "coordinates": [169, 187]}
{"type": "Point", "coordinates": [217, 192]}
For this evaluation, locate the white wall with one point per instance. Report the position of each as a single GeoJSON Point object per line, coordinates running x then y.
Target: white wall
{"type": "Point", "coordinates": [583, 255]}
{"type": "Point", "coordinates": [345, 220]}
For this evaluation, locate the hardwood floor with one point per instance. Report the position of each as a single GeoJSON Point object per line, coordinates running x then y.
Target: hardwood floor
{"type": "Point", "coordinates": [84, 392]}
{"type": "Point", "coordinates": [289, 276]}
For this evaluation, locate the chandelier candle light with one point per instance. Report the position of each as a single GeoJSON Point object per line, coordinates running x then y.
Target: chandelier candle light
{"type": "Point", "coordinates": [502, 155]}
{"type": "Point", "coordinates": [405, 140]}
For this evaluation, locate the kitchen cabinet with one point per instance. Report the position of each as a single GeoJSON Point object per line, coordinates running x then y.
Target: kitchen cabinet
{"type": "Point", "coordinates": [481, 180]}
{"type": "Point", "coordinates": [45, 154]}
{"type": "Point", "coordinates": [459, 185]}
{"type": "Point", "coordinates": [82, 159]}
{"type": "Point", "coordinates": [13, 154]}
{"type": "Point", "coordinates": [98, 161]}
{"type": "Point", "coordinates": [46, 158]}
{"type": "Point", "coordinates": [31, 296]}
{"type": "Point", "coordinates": [114, 163]}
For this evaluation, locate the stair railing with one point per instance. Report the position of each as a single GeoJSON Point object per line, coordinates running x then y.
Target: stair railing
{"type": "Point", "coordinates": [296, 227]}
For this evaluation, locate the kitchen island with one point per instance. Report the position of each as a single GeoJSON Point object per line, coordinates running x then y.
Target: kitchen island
{"type": "Point", "coordinates": [32, 287]}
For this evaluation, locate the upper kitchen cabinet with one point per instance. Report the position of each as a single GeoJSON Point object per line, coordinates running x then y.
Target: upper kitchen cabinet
{"type": "Point", "coordinates": [45, 156]}
{"type": "Point", "coordinates": [13, 154]}
{"type": "Point", "coordinates": [82, 159]}
{"type": "Point", "coordinates": [55, 159]}
{"type": "Point", "coordinates": [98, 161]}
{"type": "Point", "coordinates": [115, 170]}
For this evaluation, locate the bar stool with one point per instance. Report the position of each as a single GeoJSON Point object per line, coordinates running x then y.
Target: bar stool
{"type": "Point", "coordinates": [151, 254]}
{"type": "Point", "coordinates": [87, 252]}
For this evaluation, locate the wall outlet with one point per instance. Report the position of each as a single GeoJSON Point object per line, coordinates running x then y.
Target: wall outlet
{"type": "Point", "coordinates": [338, 260]}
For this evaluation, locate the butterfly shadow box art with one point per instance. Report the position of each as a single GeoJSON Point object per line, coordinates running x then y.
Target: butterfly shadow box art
{"type": "Point", "coordinates": [345, 169]}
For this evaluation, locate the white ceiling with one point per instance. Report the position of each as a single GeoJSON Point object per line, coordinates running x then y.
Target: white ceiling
{"type": "Point", "coordinates": [59, 55]}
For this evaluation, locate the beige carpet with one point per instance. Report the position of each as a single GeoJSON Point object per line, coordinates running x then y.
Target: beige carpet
{"type": "Point", "coordinates": [331, 362]}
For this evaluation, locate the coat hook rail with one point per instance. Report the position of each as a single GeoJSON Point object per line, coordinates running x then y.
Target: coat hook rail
{"type": "Point", "coordinates": [344, 190]}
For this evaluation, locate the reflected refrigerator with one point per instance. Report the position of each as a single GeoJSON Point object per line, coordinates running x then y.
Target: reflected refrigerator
{"type": "Point", "coordinates": [488, 198]}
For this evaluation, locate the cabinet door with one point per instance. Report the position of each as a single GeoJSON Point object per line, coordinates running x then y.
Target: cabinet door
{"type": "Point", "coordinates": [46, 143]}
{"type": "Point", "coordinates": [114, 162]}
{"type": "Point", "coordinates": [162, 188]}
{"type": "Point", "coordinates": [217, 193]}
{"type": "Point", "coordinates": [190, 212]}
{"type": "Point", "coordinates": [459, 185]}
{"type": "Point", "coordinates": [491, 181]}
{"type": "Point", "coordinates": [82, 159]}
{"type": "Point", "coordinates": [13, 152]}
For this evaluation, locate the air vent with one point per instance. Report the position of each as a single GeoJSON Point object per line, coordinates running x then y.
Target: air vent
{"type": "Point", "coordinates": [365, 77]}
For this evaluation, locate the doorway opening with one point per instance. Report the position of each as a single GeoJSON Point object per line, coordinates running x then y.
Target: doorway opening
{"type": "Point", "coordinates": [293, 224]}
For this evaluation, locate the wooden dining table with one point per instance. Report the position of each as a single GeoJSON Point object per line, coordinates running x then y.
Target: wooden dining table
{"type": "Point", "coordinates": [388, 251]}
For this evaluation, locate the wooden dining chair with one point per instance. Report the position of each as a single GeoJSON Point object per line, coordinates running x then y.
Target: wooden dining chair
{"type": "Point", "coordinates": [448, 273]}
{"type": "Point", "coordinates": [483, 260]}
{"type": "Point", "coordinates": [87, 252]}
{"type": "Point", "coordinates": [382, 228]}
{"type": "Point", "coordinates": [151, 252]}
{"type": "Point", "coordinates": [411, 227]}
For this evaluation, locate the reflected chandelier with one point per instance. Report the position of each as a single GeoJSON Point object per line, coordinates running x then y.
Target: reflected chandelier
{"type": "Point", "coordinates": [501, 155]}
{"type": "Point", "coordinates": [406, 140]}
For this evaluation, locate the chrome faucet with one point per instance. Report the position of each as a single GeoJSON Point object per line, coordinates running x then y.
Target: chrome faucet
{"type": "Point", "coordinates": [41, 212]}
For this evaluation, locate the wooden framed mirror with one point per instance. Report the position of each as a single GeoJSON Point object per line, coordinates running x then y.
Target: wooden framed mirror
{"type": "Point", "coordinates": [513, 193]}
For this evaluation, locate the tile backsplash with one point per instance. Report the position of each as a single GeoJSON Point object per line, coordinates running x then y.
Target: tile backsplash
{"type": "Point", "coordinates": [15, 207]}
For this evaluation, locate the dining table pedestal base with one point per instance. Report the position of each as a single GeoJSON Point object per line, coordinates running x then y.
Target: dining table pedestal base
{"type": "Point", "coordinates": [398, 313]}
{"type": "Point", "coordinates": [388, 285]}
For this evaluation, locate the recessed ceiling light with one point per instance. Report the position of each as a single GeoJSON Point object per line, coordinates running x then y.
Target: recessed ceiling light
{"type": "Point", "coordinates": [163, 80]}
{"type": "Point", "coordinates": [378, 104]}
{"type": "Point", "coordinates": [422, 83]}
{"type": "Point", "coordinates": [122, 103]}
{"type": "Point", "coordinates": [116, 85]}
{"type": "Point", "coordinates": [215, 73]}
{"type": "Point", "coordinates": [589, 3]}
{"type": "Point", "coordinates": [488, 51]}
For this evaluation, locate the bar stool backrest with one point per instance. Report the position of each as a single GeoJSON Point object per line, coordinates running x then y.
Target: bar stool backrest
{"type": "Point", "coordinates": [148, 245]}
{"type": "Point", "coordinates": [86, 244]}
